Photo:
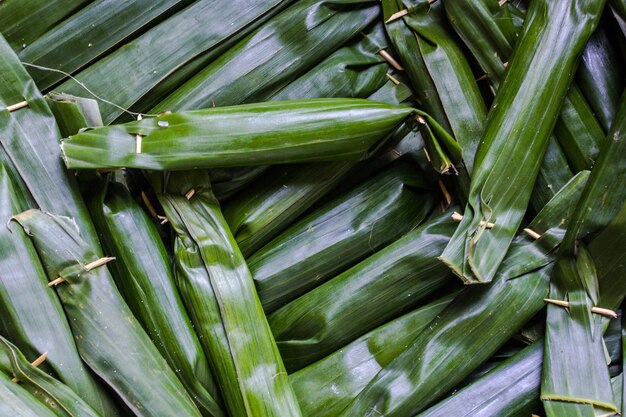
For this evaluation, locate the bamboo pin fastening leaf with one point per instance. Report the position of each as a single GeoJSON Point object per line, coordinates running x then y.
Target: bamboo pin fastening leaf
{"type": "Point", "coordinates": [92, 265]}
{"type": "Point", "coordinates": [532, 233]}
{"type": "Point", "coordinates": [457, 217]}
{"type": "Point", "coordinates": [41, 359]}
{"type": "Point", "coordinates": [597, 310]}
{"type": "Point", "coordinates": [393, 79]}
{"type": "Point", "coordinates": [391, 60]}
{"type": "Point", "coordinates": [17, 106]}
{"type": "Point", "coordinates": [138, 139]}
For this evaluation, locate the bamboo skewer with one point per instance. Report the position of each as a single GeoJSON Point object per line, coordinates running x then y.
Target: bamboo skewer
{"type": "Point", "coordinates": [92, 265]}
{"type": "Point", "coordinates": [41, 359]}
{"type": "Point", "coordinates": [17, 106]}
{"type": "Point", "coordinates": [596, 310]}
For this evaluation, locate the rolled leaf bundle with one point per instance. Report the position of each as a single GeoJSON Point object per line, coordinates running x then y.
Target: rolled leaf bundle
{"type": "Point", "coordinates": [327, 386]}
{"type": "Point", "coordinates": [144, 277]}
{"type": "Point", "coordinates": [339, 234]}
{"type": "Point", "coordinates": [58, 397]}
{"type": "Point", "coordinates": [73, 113]}
{"type": "Point", "coordinates": [371, 293]}
{"type": "Point", "coordinates": [154, 57]}
{"type": "Point", "coordinates": [511, 389]}
{"type": "Point", "coordinates": [89, 33]}
{"type": "Point", "coordinates": [439, 73]}
{"type": "Point", "coordinates": [252, 134]}
{"type": "Point", "coordinates": [575, 279]}
{"type": "Point", "coordinates": [475, 252]}
{"type": "Point", "coordinates": [37, 327]}
{"type": "Point", "coordinates": [30, 137]}
{"type": "Point", "coordinates": [260, 377]}
{"type": "Point", "coordinates": [278, 52]}
{"type": "Point", "coordinates": [473, 326]}
{"type": "Point", "coordinates": [109, 338]}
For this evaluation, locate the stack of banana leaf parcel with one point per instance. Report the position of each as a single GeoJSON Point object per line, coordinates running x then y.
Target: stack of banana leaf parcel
{"type": "Point", "coordinates": [312, 208]}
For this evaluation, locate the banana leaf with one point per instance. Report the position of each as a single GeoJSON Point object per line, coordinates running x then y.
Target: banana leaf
{"type": "Point", "coordinates": [253, 134]}
{"type": "Point", "coordinates": [30, 138]}
{"type": "Point", "coordinates": [58, 397]}
{"type": "Point", "coordinates": [509, 390]}
{"type": "Point", "coordinates": [278, 197]}
{"type": "Point", "coordinates": [277, 53]}
{"type": "Point", "coordinates": [89, 33]}
{"type": "Point", "coordinates": [474, 326]}
{"type": "Point", "coordinates": [73, 113]}
{"type": "Point", "coordinates": [260, 376]}
{"type": "Point", "coordinates": [573, 332]}
{"type": "Point", "coordinates": [109, 338]}
{"type": "Point", "coordinates": [536, 82]}
{"type": "Point", "coordinates": [144, 278]}
{"type": "Point", "coordinates": [15, 401]}
{"type": "Point", "coordinates": [37, 327]}
{"type": "Point", "coordinates": [339, 234]}
{"type": "Point", "coordinates": [601, 77]}
{"type": "Point", "coordinates": [357, 70]}
{"type": "Point", "coordinates": [610, 261]}
{"type": "Point", "coordinates": [203, 30]}
{"type": "Point", "coordinates": [439, 73]}
{"type": "Point", "coordinates": [393, 280]}
{"type": "Point", "coordinates": [327, 386]}
{"type": "Point", "coordinates": [23, 21]}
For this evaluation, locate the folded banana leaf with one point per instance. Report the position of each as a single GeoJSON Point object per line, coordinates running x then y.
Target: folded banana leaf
{"type": "Point", "coordinates": [73, 113]}
{"type": "Point", "coordinates": [58, 397]}
{"type": "Point", "coordinates": [203, 30]}
{"type": "Point", "coordinates": [505, 170]}
{"type": "Point", "coordinates": [393, 280]}
{"type": "Point", "coordinates": [23, 21]}
{"type": "Point", "coordinates": [511, 389]}
{"type": "Point", "coordinates": [339, 234]}
{"type": "Point", "coordinates": [439, 73]}
{"type": "Point", "coordinates": [260, 376]}
{"type": "Point", "coordinates": [37, 327]}
{"type": "Point", "coordinates": [109, 338]}
{"type": "Point", "coordinates": [327, 386]}
{"type": "Point", "coordinates": [15, 401]}
{"type": "Point", "coordinates": [472, 328]}
{"type": "Point", "coordinates": [30, 138]}
{"type": "Point", "coordinates": [610, 261]}
{"type": "Point", "coordinates": [89, 33]}
{"type": "Point", "coordinates": [252, 134]}
{"type": "Point", "coordinates": [571, 335]}
{"type": "Point", "coordinates": [490, 34]}
{"type": "Point", "coordinates": [277, 53]}
{"type": "Point", "coordinates": [278, 197]}
{"type": "Point", "coordinates": [144, 278]}
{"type": "Point", "coordinates": [601, 77]}
{"type": "Point", "coordinates": [357, 70]}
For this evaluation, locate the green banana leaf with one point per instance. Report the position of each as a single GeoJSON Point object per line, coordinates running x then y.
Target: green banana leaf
{"type": "Point", "coordinates": [15, 401]}
{"type": "Point", "coordinates": [89, 33]}
{"type": "Point", "coordinates": [229, 181]}
{"type": "Point", "coordinates": [357, 70]}
{"type": "Point", "coordinates": [277, 53]}
{"type": "Point", "coordinates": [58, 397]}
{"type": "Point", "coordinates": [509, 390]}
{"type": "Point", "coordinates": [30, 138]}
{"type": "Point", "coordinates": [278, 197]}
{"type": "Point", "coordinates": [260, 376]}
{"type": "Point", "coordinates": [439, 73]}
{"type": "Point", "coordinates": [37, 327]}
{"type": "Point", "coordinates": [144, 277]}
{"type": "Point", "coordinates": [610, 261]}
{"type": "Point", "coordinates": [109, 338]}
{"type": "Point", "coordinates": [23, 21]}
{"type": "Point", "coordinates": [601, 77]}
{"type": "Point", "coordinates": [505, 170]}
{"type": "Point", "coordinates": [203, 30]}
{"type": "Point", "coordinates": [252, 134]}
{"type": "Point", "coordinates": [339, 234]}
{"type": "Point", "coordinates": [393, 280]}
{"type": "Point", "coordinates": [571, 335]}
{"type": "Point", "coordinates": [472, 328]}
{"type": "Point", "coordinates": [327, 386]}
{"type": "Point", "coordinates": [73, 113]}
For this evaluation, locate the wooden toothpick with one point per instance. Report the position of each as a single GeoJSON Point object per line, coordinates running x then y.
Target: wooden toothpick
{"type": "Point", "coordinates": [17, 106]}
{"type": "Point", "coordinates": [596, 310]}
{"type": "Point", "coordinates": [457, 217]}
